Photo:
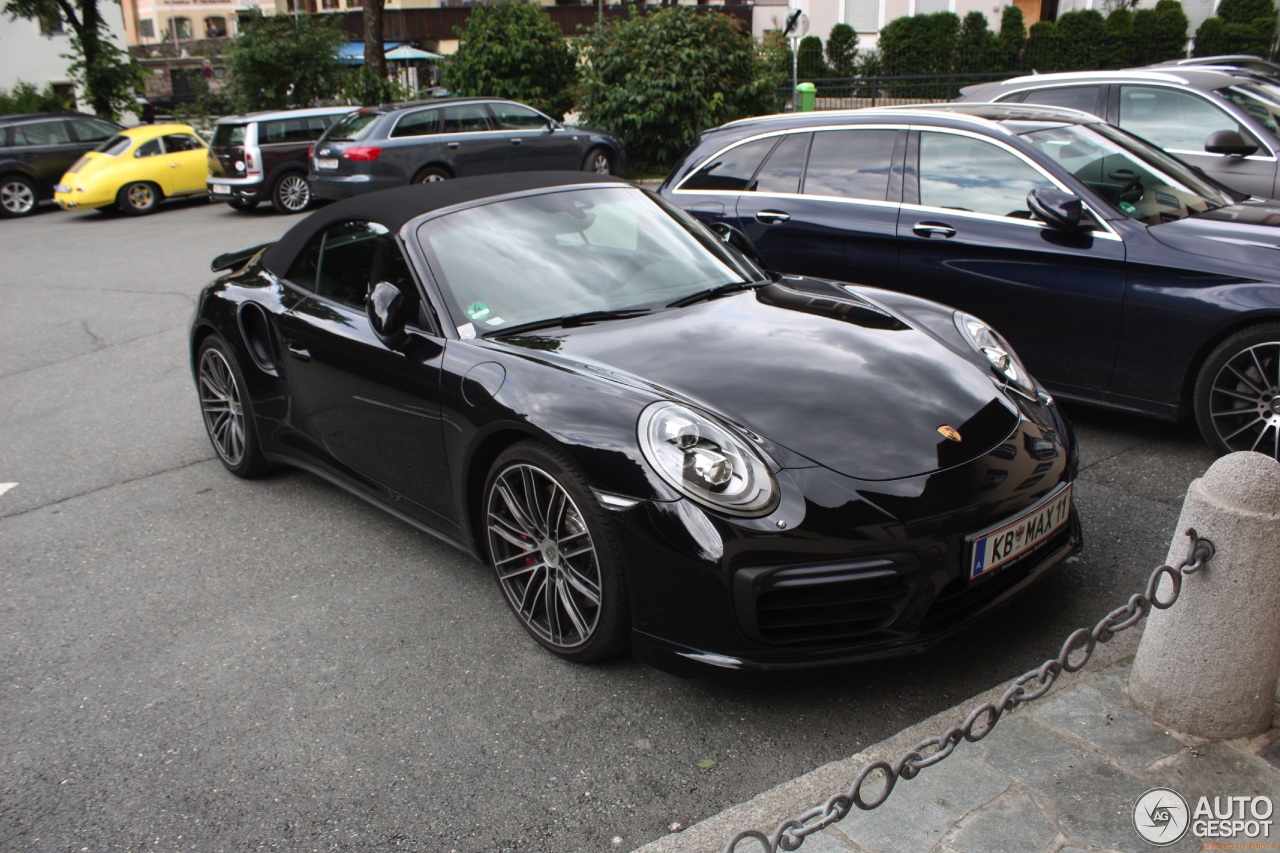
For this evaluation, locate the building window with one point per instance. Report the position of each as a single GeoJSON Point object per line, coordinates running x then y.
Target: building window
{"type": "Point", "coordinates": [147, 28]}
{"type": "Point", "coordinates": [215, 28]}
{"type": "Point", "coordinates": [862, 15]}
{"type": "Point", "coordinates": [183, 27]}
{"type": "Point", "coordinates": [355, 4]}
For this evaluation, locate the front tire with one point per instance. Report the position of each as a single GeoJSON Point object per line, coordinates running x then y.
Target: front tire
{"type": "Point", "coordinates": [227, 411]}
{"type": "Point", "coordinates": [555, 554]}
{"type": "Point", "coordinates": [598, 161]}
{"type": "Point", "coordinates": [17, 196]}
{"type": "Point", "coordinates": [291, 193]}
{"type": "Point", "coordinates": [1237, 394]}
{"type": "Point", "coordinates": [139, 198]}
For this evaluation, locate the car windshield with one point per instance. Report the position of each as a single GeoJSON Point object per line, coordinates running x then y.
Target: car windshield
{"type": "Point", "coordinates": [352, 127]}
{"type": "Point", "coordinates": [115, 146]}
{"type": "Point", "coordinates": [1259, 100]}
{"type": "Point", "coordinates": [1140, 180]}
{"type": "Point", "coordinates": [225, 135]}
{"type": "Point", "coordinates": [572, 252]}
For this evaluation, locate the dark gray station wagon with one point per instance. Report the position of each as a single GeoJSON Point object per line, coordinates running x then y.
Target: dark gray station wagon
{"type": "Point", "coordinates": [389, 146]}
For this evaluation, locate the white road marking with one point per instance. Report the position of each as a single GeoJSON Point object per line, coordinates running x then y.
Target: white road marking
{"type": "Point", "coordinates": [4, 487]}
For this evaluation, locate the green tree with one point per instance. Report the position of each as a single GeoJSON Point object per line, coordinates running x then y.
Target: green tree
{"type": "Point", "coordinates": [105, 71]}
{"type": "Point", "coordinates": [842, 50]}
{"type": "Point", "coordinates": [1158, 34]}
{"type": "Point", "coordinates": [921, 44]}
{"type": "Point", "coordinates": [26, 98]}
{"type": "Point", "coordinates": [282, 61]}
{"type": "Point", "coordinates": [809, 62]}
{"type": "Point", "coordinates": [1119, 33]}
{"type": "Point", "coordinates": [1083, 39]}
{"type": "Point", "coordinates": [660, 79]}
{"type": "Point", "coordinates": [1012, 40]}
{"type": "Point", "coordinates": [977, 48]}
{"type": "Point", "coordinates": [512, 49]}
{"type": "Point", "coordinates": [1239, 26]}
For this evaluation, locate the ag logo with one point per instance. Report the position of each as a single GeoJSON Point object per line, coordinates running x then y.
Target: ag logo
{"type": "Point", "coordinates": [1161, 816]}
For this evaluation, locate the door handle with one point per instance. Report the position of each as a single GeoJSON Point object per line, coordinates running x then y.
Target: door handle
{"type": "Point", "coordinates": [298, 351]}
{"type": "Point", "coordinates": [515, 142]}
{"type": "Point", "coordinates": [452, 144]}
{"type": "Point", "coordinates": [933, 229]}
{"type": "Point", "coordinates": [772, 216]}
{"type": "Point", "coordinates": [173, 165]}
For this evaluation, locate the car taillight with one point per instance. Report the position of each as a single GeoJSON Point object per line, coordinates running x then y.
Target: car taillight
{"type": "Point", "coordinates": [361, 154]}
{"type": "Point", "coordinates": [252, 165]}
{"type": "Point", "coordinates": [311, 150]}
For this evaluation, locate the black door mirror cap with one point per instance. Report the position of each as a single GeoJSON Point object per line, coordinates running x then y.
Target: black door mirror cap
{"type": "Point", "coordinates": [1056, 208]}
{"type": "Point", "coordinates": [1229, 142]}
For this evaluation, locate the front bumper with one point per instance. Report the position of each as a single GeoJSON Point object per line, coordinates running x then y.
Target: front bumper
{"type": "Point", "coordinates": [874, 570]}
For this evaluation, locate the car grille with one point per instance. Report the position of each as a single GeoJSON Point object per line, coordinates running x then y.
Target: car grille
{"type": "Point", "coordinates": [826, 602]}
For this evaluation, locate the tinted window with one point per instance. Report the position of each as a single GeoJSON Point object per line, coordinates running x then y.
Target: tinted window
{"type": "Point", "coordinates": [353, 126]}
{"type": "Point", "coordinates": [1261, 102]}
{"type": "Point", "coordinates": [175, 142]}
{"type": "Point", "coordinates": [92, 130]}
{"type": "Point", "coordinates": [41, 133]}
{"type": "Point", "coordinates": [1083, 98]}
{"type": "Point", "coordinates": [115, 146]}
{"type": "Point", "coordinates": [1173, 120]}
{"type": "Point", "coordinates": [850, 163]}
{"type": "Point", "coordinates": [963, 173]}
{"type": "Point", "coordinates": [343, 263]}
{"type": "Point", "coordinates": [228, 134]}
{"type": "Point", "coordinates": [150, 148]}
{"type": "Point", "coordinates": [518, 117]}
{"type": "Point", "coordinates": [418, 124]}
{"type": "Point", "coordinates": [465, 118]}
{"type": "Point", "coordinates": [781, 172]}
{"type": "Point", "coordinates": [286, 130]}
{"type": "Point", "coordinates": [731, 169]}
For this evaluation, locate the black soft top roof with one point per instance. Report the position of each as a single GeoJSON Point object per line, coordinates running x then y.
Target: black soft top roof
{"type": "Point", "coordinates": [393, 208]}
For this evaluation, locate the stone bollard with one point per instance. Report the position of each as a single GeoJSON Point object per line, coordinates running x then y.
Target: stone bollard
{"type": "Point", "coordinates": [1208, 665]}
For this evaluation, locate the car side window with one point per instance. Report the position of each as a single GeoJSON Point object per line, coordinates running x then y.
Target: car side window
{"type": "Point", "coordinates": [418, 124]}
{"type": "Point", "coordinates": [465, 118]}
{"type": "Point", "coordinates": [176, 142]}
{"type": "Point", "coordinates": [347, 259]}
{"type": "Point", "coordinates": [517, 117]}
{"type": "Point", "coordinates": [1173, 120]}
{"type": "Point", "coordinates": [1083, 98]}
{"type": "Point", "coordinates": [851, 164]}
{"type": "Point", "coordinates": [91, 130]}
{"type": "Point", "coordinates": [150, 148]}
{"type": "Point", "coordinates": [782, 169]}
{"type": "Point", "coordinates": [963, 173]}
{"type": "Point", "coordinates": [287, 130]}
{"type": "Point", "coordinates": [41, 133]}
{"type": "Point", "coordinates": [732, 169]}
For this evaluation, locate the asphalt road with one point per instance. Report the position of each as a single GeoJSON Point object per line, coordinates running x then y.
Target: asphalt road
{"type": "Point", "coordinates": [194, 662]}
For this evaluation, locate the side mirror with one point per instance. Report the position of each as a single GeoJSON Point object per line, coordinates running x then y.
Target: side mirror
{"type": "Point", "coordinates": [1228, 142]}
{"type": "Point", "coordinates": [386, 310]}
{"type": "Point", "coordinates": [1055, 208]}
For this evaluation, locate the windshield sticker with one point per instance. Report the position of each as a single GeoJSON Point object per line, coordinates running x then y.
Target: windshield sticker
{"type": "Point", "coordinates": [495, 321]}
{"type": "Point", "coordinates": [478, 310]}
{"type": "Point", "coordinates": [466, 331]}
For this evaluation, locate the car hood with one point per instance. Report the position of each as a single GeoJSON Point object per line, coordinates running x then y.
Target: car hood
{"type": "Point", "coordinates": [1248, 232]}
{"type": "Point", "coordinates": [807, 365]}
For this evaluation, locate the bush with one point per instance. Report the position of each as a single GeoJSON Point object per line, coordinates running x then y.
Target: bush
{"type": "Point", "coordinates": [977, 48]}
{"type": "Point", "coordinates": [25, 98]}
{"type": "Point", "coordinates": [660, 79]}
{"type": "Point", "coordinates": [1240, 26]}
{"type": "Point", "coordinates": [513, 49]}
{"type": "Point", "coordinates": [1012, 40]}
{"type": "Point", "coordinates": [809, 62]}
{"type": "Point", "coordinates": [842, 50]}
{"type": "Point", "coordinates": [922, 44]}
{"type": "Point", "coordinates": [1158, 34]}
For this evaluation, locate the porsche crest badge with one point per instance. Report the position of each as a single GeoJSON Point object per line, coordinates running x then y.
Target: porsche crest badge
{"type": "Point", "coordinates": [949, 432]}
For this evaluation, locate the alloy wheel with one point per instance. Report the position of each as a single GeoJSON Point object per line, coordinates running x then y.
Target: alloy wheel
{"type": "Point", "coordinates": [18, 198]}
{"type": "Point", "coordinates": [293, 193]}
{"type": "Point", "coordinates": [1244, 401]}
{"type": "Point", "coordinates": [223, 410]}
{"type": "Point", "coordinates": [544, 556]}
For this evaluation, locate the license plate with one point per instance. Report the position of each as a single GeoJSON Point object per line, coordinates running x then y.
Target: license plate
{"type": "Point", "coordinates": [61, 188]}
{"type": "Point", "coordinates": [992, 548]}
{"type": "Point", "coordinates": [222, 189]}
{"type": "Point", "coordinates": [326, 162]}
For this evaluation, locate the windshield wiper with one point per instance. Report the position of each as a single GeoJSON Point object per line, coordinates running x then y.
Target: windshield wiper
{"type": "Point", "coordinates": [714, 292]}
{"type": "Point", "coordinates": [568, 321]}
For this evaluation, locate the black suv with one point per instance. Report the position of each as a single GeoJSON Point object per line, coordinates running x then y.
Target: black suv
{"type": "Point", "coordinates": [35, 151]}
{"type": "Point", "coordinates": [263, 156]}
{"type": "Point", "coordinates": [392, 145]}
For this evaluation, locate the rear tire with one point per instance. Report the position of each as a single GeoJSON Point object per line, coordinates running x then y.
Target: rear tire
{"type": "Point", "coordinates": [431, 174]}
{"type": "Point", "coordinates": [1237, 394]}
{"type": "Point", "coordinates": [291, 193]}
{"type": "Point", "coordinates": [599, 161]}
{"type": "Point", "coordinates": [17, 196]}
{"type": "Point", "coordinates": [139, 198]}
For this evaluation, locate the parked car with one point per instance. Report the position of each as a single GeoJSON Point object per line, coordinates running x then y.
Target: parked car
{"type": "Point", "coordinates": [1227, 125]}
{"type": "Point", "coordinates": [390, 146]}
{"type": "Point", "coordinates": [1238, 61]}
{"type": "Point", "coordinates": [36, 149]}
{"type": "Point", "coordinates": [648, 440]}
{"type": "Point", "coordinates": [1123, 277]}
{"type": "Point", "coordinates": [263, 157]}
{"type": "Point", "coordinates": [137, 169]}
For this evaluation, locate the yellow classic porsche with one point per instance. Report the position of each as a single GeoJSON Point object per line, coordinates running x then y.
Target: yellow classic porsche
{"type": "Point", "coordinates": [136, 169]}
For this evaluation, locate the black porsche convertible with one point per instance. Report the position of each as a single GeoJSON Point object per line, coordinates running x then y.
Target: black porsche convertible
{"type": "Point", "coordinates": [651, 442]}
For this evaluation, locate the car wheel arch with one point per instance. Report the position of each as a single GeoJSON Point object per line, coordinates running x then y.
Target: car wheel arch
{"type": "Point", "coordinates": [432, 166]}
{"type": "Point", "coordinates": [1191, 373]}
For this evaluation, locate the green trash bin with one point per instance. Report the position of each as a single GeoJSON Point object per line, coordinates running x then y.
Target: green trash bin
{"type": "Point", "coordinates": [806, 94]}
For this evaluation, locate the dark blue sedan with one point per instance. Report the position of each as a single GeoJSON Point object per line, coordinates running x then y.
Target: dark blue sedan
{"type": "Point", "coordinates": [1124, 278]}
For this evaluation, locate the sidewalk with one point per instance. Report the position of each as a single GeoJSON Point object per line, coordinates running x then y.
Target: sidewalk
{"type": "Point", "coordinates": [1062, 774]}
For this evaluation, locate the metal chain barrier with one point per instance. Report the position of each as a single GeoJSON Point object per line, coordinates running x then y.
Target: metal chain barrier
{"type": "Point", "coordinates": [873, 784]}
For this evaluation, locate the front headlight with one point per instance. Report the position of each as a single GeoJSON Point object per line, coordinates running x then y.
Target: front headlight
{"type": "Point", "coordinates": [996, 350]}
{"type": "Point", "coordinates": [705, 461]}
